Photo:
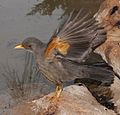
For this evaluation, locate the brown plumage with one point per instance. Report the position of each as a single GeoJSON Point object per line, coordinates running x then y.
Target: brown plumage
{"type": "Point", "coordinates": [62, 58]}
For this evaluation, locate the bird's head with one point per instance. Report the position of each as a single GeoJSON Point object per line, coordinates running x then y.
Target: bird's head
{"type": "Point", "coordinates": [30, 44]}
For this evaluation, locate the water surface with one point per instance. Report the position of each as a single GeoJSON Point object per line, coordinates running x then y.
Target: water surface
{"type": "Point", "coordinates": [24, 18]}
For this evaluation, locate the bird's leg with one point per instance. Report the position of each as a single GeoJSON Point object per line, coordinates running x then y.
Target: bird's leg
{"type": "Point", "coordinates": [57, 93]}
{"type": "Point", "coordinates": [59, 89]}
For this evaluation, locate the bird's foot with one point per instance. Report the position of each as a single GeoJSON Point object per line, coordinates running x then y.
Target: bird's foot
{"type": "Point", "coordinates": [54, 99]}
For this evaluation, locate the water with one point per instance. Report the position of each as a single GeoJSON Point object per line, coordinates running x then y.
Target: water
{"type": "Point", "coordinates": [15, 26]}
{"type": "Point", "coordinates": [24, 18]}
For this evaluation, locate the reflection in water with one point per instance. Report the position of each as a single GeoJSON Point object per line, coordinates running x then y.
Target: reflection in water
{"type": "Point", "coordinates": [15, 25]}
{"type": "Point", "coordinates": [31, 82]}
{"type": "Point", "coordinates": [48, 6]}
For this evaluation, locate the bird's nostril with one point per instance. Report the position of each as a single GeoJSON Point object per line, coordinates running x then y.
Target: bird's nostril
{"type": "Point", "coordinates": [29, 46]}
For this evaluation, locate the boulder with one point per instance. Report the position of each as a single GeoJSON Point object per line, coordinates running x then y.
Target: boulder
{"type": "Point", "coordinates": [74, 100]}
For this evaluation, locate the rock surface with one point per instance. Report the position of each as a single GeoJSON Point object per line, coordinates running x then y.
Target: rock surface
{"type": "Point", "coordinates": [115, 88]}
{"type": "Point", "coordinates": [109, 16]}
{"type": "Point", "coordinates": [74, 100]}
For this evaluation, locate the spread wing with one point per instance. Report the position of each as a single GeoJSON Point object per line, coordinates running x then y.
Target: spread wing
{"type": "Point", "coordinates": [76, 38]}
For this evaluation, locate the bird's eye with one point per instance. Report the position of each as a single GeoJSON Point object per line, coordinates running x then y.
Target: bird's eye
{"type": "Point", "coordinates": [29, 46]}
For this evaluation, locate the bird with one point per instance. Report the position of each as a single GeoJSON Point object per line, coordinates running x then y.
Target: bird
{"type": "Point", "coordinates": [63, 57]}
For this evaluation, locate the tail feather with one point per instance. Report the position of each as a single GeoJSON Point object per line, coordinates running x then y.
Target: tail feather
{"type": "Point", "coordinates": [95, 72]}
{"type": "Point", "coordinates": [103, 75]}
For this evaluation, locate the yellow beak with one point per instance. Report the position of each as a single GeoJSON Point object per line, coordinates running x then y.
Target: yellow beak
{"type": "Point", "coordinates": [19, 46]}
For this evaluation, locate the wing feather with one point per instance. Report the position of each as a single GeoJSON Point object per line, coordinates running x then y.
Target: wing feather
{"type": "Point", "coordinates": [76, 38]}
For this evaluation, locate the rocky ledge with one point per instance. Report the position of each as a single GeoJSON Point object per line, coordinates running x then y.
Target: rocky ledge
{"type": "Point", "coordinates": [74, 100]}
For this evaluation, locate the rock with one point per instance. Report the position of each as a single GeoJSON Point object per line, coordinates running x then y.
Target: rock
{"type": "Point", "coordinates": [74, 100]}
{"type": "Point", "coordinates": [109, 16]}
{"type": "Point", "coordinates": [109, 13]}
{"type": "Point", "coordinates": [115, 88]}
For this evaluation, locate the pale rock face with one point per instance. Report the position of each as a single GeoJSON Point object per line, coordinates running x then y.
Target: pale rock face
{"type": "Point", "coordinates": [109, 16]}
{"type": "Point", "coordinates": [115, 87]}
{"type": "Point", "coordinates": [74, 100]}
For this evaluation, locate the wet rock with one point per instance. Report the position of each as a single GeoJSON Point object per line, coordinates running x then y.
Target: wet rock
{"type": "Point", "coordinates": [74, 100]}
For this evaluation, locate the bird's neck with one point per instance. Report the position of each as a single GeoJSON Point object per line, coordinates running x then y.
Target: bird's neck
{"type": "Point", "coordinates": [39, 51]}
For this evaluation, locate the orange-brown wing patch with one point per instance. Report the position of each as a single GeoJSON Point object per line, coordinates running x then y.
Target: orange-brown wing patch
{"type": "Point", "coordinates": [57, 44]}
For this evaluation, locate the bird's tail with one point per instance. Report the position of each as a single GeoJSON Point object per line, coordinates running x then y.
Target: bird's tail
{"type": "Point", "coordinates": [99, 83]}
{"type": "Point", "coordinates": [98, 74]}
